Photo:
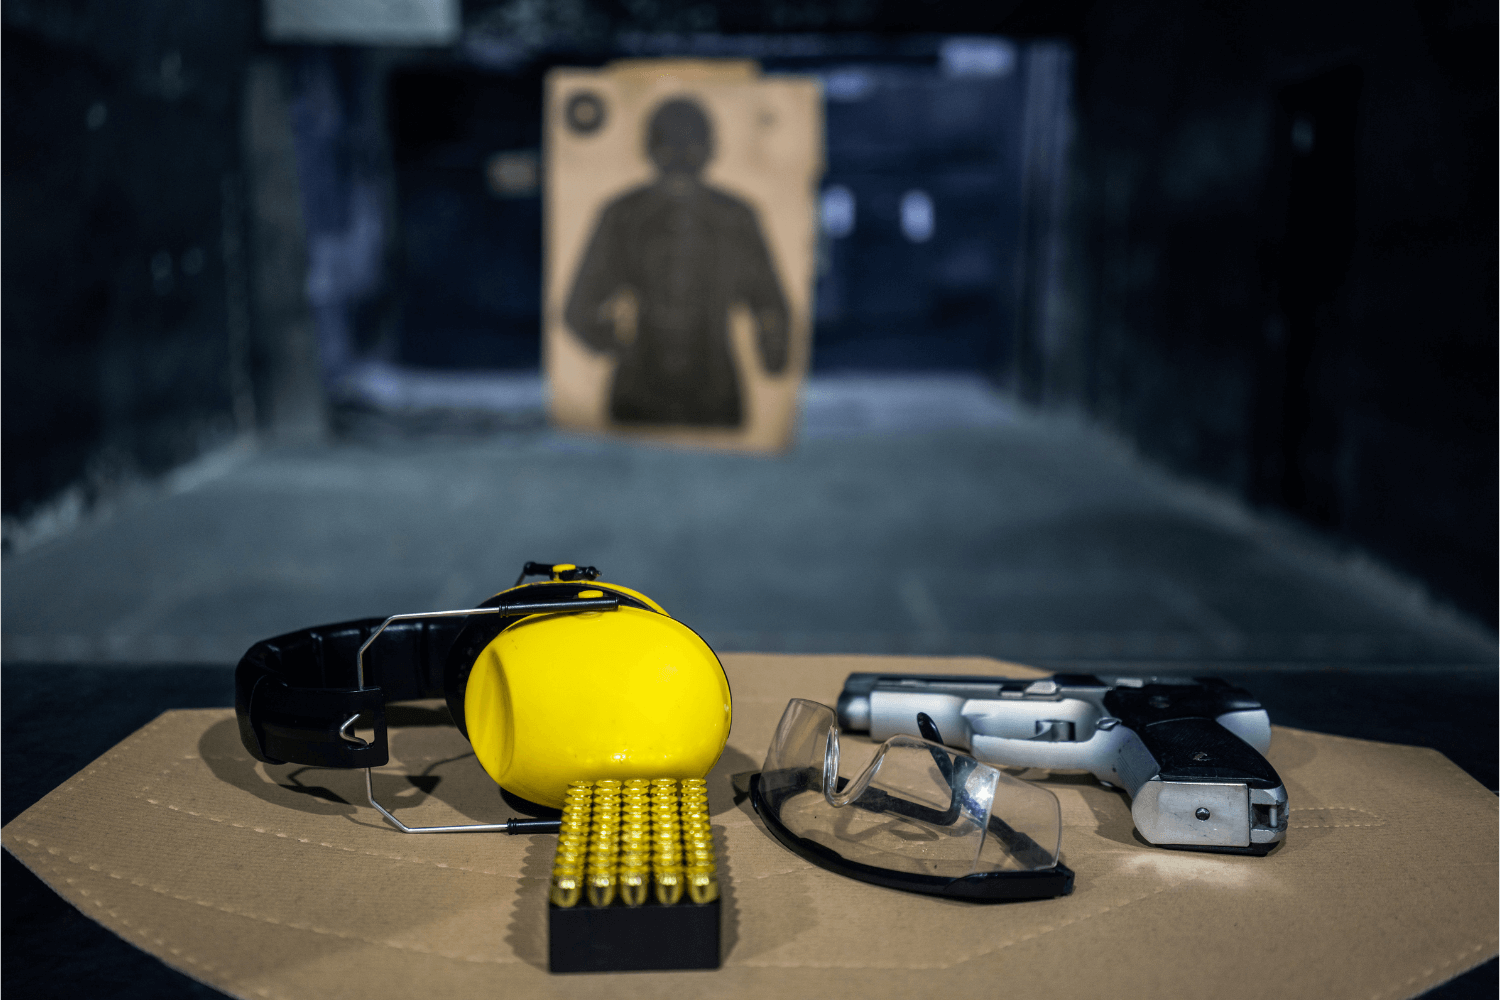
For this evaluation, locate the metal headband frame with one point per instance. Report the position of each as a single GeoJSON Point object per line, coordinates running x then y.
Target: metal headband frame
{"type": "Point", "coordinates": [609, 603]}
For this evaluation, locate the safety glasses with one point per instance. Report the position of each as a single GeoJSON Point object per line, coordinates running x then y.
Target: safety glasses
{"type": "Point", "coordinates": [918, 817]}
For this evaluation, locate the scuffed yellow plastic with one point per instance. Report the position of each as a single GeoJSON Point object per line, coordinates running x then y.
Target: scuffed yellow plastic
{"type": "Point", "coordinates": [614, 694]}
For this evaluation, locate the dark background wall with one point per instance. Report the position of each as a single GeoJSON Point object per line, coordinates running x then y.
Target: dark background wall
{"type": "Point", "coordinates": [944, 302]}
{"type": "Point", "coordinates": [444, 122]}
{"type": "Point", "coordinates": [123, 288]}
{"type": "Point", "coordinates": [1284, 264]}
{"type": "Point", "coordinates": [1279, 266]}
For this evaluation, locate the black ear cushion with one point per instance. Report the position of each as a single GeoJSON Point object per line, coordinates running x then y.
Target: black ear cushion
{"type": "Point", "coordinates": [480, 630]}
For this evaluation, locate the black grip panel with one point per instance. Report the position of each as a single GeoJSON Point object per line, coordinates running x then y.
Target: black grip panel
{"type": "Point", "coordinates": [1203, 750]}
{"type": "Point", "coordinates": [1204, 698]}
{"type": "Point", "coordinates": [1176, 723]}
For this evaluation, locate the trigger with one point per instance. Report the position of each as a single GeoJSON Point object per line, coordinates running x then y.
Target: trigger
{"type": "Point", "coordinates": [1054, 731]}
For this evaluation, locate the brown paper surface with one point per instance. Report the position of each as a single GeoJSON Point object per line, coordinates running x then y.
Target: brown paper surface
{"type": "Point", "coordinates": [768, 153]}
{"type": "Point", "coordinates": [279, 882]}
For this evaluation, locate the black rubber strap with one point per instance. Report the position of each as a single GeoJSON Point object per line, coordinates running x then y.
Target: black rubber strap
{"type": "Point", "coordinates": [980, 887]}
{"type": "Point", "coordinates": [293, 694]}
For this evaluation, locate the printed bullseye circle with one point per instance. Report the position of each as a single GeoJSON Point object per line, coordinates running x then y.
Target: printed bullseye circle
{"type": "Point", "coordinates": [585, 112]}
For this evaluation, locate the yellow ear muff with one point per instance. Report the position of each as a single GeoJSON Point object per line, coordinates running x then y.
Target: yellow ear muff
{"type": "Point", "coordinates": [618, 694]}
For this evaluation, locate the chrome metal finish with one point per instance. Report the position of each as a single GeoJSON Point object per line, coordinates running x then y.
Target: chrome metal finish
{"type": "Point", "coordinates": [1133, 764]}
{"type": "Point", "coordinates": [1054, 730]}
{"type": "Point", "coordinates": [1269, 812]}
{"type": "Point", "coordinates": [463, 828]}
{"type": "Point", "coordinates": [854, 711]}
{"type": "Point", "coordinates": [1193, 813]}
{"type": "Point", "coordinates": [350, 737]}
{"type": "Point", "coordinates": [359, 661]}
{"type": "Point", "coordinates": [1254, 727]}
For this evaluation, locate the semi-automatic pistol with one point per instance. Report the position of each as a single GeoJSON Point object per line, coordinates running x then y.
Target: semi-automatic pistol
{"type": "Point", "coordinates": [1189, 753]}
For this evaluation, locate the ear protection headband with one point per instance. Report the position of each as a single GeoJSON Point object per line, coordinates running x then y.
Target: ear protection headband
{"type": "Point", "coordinates": [554, 681]}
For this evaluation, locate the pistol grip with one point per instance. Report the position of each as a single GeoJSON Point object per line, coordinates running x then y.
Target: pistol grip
{"type": "Point", "coordinates": [1211, 790]}
{"type": "Point", "coordinates": [1202, 750]}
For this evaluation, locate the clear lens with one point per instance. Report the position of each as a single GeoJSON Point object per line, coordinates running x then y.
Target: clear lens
{"type": "Point", "coordinates": [916, 807]}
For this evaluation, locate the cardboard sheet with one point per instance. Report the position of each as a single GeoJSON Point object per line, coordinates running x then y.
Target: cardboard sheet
{"type": "Point", "coordinates": [278, 882]}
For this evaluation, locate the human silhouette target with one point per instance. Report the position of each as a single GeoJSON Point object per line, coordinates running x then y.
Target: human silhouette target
{"type": "Point", "coordinates": [666, 264]}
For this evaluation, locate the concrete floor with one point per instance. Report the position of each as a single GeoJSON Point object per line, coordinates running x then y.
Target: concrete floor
{"type": "Point", "coordinates": [926, 516]}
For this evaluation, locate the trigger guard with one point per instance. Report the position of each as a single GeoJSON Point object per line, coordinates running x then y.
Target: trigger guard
{"type": "Point", "coordinates": [1095, 754]}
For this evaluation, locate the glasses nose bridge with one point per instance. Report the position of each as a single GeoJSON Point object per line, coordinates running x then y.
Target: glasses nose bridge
{"type": "Point", "coordinates": [853, 787]}
{"type": "Point", "coordinates": [831, 766]}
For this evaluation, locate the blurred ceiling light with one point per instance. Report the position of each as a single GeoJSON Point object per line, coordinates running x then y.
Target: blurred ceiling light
{"type": "Point", "coordinates": [516, 174]}
{"type": "Point", "coordinates": [97, 115]}
{"type": "Point", "coordinates": [977, 57]}
{"type": "Point", "coordinates": [837, 212]}
{"type": "Point", "coordinates": [847, 84]}
{"type": "Point", "coordinates": [917, 218]}
{"type": "Point", "coordinates": [362, 22]}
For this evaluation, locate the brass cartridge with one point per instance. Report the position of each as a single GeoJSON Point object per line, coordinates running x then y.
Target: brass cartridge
{"type": "Point", "coordinates": [567, 888]}
{"type": "Point", "coordinates": [667, 882]}
{"type": "Point", "coordinates": [633, 840]}
{"type": "Point", "coordinates": [635, 883]}
{"type": "Point", "coordinates": [601, 886]}
{"type": "Point", "coordinates": [702, 883]}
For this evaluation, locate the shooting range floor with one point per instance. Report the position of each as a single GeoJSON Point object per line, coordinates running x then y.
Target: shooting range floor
{"type": "Point", "coordinates": [912, 516]}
